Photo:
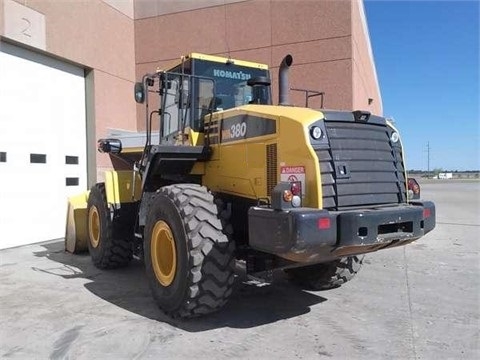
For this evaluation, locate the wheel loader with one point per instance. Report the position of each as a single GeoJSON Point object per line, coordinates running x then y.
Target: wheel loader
{"type": "Point", "coordinates": [222, 178]}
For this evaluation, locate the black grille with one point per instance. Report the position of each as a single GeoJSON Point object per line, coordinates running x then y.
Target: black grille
{"type": "Point", "coordinates": [360, 167]}
{"type": "Point", "coordinates": [271, 160]}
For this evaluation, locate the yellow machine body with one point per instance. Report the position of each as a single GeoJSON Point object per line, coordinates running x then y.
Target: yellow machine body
{"type": "Point", "coordinates": [238, 167]}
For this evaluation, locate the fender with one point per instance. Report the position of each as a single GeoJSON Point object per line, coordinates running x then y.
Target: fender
{"type": "Point", "coordinates": [122, 187]}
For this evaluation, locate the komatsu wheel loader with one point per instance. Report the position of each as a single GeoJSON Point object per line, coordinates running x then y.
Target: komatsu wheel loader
{"type": "Point", "coordinates": [223, 177]}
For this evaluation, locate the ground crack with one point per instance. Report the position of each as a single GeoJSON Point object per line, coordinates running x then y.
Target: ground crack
{"type": "Point", "coordinates": [409, 304]}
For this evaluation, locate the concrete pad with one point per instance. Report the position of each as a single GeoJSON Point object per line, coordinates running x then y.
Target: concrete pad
{"type": "Point", "coordinates": [416, 302]}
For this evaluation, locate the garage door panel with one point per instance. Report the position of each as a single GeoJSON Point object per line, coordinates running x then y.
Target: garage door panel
{"type": "Point", "coordinates": [42, 121]}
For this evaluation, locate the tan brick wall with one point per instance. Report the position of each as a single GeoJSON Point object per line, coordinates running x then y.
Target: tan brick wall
{"type": "Point", "coordinates": [326, 38]}
{"type": "Point", "coordinates": [364, 80]}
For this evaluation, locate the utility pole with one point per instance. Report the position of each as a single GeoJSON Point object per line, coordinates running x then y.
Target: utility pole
{"type": "Point", "coordinates": [428, 159]}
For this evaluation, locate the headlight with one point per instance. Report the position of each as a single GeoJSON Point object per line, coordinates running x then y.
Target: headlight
{"type": "Point", "coordinates": [394, 137]}
{"type": "Point", "coordinates": [316, 132]}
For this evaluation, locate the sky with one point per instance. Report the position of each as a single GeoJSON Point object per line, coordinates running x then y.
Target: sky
{"type": "Point", "coordinates": [427, 59]}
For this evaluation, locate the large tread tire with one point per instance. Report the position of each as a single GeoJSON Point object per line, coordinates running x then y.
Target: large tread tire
{"type": "Point", "coordinates": [327, 275]}
{"type": "Point", "coordinates": [109, 248]}
{"type": "Point", "coordinates": [204, 277]}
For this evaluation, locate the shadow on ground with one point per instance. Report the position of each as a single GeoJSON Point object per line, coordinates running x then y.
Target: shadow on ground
{"type": "Point", "coordinates": [249, 306]}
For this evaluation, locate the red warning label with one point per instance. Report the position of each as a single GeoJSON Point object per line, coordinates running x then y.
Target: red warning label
{"type": "Point", "coordinates": [292, 170]}
{"type": "Point", "coordinates": [293, 173]}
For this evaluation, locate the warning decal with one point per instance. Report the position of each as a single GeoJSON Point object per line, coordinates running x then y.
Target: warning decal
{"type": "Point", "coordinates": [293, 173]}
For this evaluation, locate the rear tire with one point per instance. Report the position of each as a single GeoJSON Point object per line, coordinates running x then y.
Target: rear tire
{"type": "Point", "coordinates": [327, 275]}
{"type": "Point", "coordinates": [108, 250]}
{"type": "Point", "coordinates": [188, 259]}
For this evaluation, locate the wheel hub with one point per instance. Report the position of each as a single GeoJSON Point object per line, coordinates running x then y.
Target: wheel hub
{"type": "Point", "coordinates": [163, 253]}
{"type": "Point", "coordinates": [94, 226]}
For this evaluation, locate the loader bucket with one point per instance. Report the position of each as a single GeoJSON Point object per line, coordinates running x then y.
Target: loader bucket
{"type": "Point", "coordinates": [76, 235]}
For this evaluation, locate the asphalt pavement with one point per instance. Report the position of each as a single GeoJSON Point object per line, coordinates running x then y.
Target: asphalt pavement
{"type": "Point", "coordinates": [421, 301]}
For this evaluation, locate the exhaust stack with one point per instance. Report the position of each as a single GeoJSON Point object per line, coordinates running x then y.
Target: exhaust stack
{"type": "Point", "coordinates": [283, 86]}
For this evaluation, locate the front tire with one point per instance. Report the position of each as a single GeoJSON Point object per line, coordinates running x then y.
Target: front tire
{"type": "Point", "coordinates": [327, 275]}
{"type": "Point", "coordinates": [188, 259]}
{"type": "Point", "coordinates": [107, 248]}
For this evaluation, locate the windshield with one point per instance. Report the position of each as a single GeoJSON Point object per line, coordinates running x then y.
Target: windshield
{"type": "Point", "coordinates": [231, 89]}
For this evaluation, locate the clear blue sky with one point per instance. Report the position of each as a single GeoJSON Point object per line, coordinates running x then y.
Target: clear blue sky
{"type": "Point", "coordinates": [427, 59]}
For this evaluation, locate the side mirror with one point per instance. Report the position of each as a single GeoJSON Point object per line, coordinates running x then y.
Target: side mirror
{"type": "Point", "coordinates": [139, 92]}
{"type": "Point", "coordinates": [113, 146]}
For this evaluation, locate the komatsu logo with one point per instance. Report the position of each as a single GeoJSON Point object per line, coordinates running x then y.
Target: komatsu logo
{"type": "Point", "coordinates": [237, 75]}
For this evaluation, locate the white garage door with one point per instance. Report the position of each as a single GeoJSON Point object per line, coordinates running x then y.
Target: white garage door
{"type": "Point", "coordinates": [42, 144]}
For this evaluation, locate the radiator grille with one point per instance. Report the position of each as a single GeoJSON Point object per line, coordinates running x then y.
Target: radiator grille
{"type": "Point", "coordinates": [271, 167]}
{"type": "Point", "coordinates": [360, 167]}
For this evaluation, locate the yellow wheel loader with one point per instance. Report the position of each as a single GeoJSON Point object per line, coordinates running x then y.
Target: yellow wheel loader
{"type": "Point", "coordinates": [222, 177]}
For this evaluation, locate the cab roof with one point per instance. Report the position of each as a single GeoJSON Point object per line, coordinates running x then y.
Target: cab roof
{"type": "Point", "coordinates": [224, 60]}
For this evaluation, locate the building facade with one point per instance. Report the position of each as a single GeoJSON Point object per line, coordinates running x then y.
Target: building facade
{"type": "Point", "coordinates": [67, 70]}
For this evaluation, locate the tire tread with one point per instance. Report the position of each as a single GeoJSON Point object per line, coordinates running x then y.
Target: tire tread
{"type": "Point", "coordinates": [113, 252]}
{"type": "Point", "coordinates": [210, 253]}
{"type": "Point", "coordinates": [327, 275]}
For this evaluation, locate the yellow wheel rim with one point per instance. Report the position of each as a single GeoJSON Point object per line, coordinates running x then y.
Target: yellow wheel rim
{"type": "Point", "coordinates": [163, 253]}
{"type": "Point", "coordinates": [94, 226]}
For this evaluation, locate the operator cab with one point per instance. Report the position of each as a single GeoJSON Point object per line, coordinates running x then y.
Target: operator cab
{"type": "Point", "coordinates": [199, 86]}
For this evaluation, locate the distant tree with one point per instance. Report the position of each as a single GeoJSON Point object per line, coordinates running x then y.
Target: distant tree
{"type": "Point", "coordinates": [437, 171]}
